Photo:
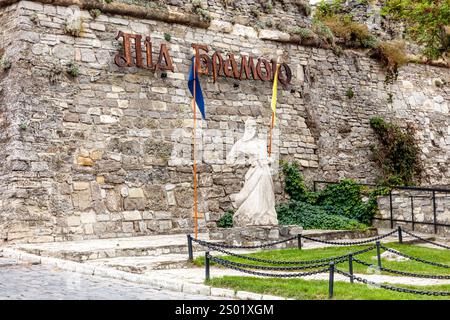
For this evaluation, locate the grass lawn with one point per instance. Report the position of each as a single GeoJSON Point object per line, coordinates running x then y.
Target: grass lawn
{"type": "Point", "coordinates": [318, 289]}
{"type": "Point", "coordinates": [435, 255]}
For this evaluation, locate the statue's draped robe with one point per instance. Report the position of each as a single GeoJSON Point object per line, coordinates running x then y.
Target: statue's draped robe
{"type": "Point", "coordinates": [256, 200]}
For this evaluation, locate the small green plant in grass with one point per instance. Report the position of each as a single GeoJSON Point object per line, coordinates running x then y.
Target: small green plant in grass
{"type": "Point", "coordinates": [73, 69]}
{"type": "Point", "coordinates": [226, 221]}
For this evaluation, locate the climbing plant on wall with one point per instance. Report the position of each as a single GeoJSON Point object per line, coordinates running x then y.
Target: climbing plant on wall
{"type": "Point", "coordinates": [397, 153]}
{"type": "Point", "coordinates": [427, 22]}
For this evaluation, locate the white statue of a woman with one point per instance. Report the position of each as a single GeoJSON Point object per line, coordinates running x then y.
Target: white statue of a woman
{"type": "Point", "coordinates": [256, 200]}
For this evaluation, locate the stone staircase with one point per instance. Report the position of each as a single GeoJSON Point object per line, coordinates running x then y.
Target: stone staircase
{"type": "Point", "coordinates": [87, 250]}
{"type": "Point", "coordinates": [142, 255]}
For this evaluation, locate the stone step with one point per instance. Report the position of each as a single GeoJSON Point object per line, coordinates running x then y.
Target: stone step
{"type": "Point", "coordinates": [146, 263]}
{"type": "Point", "coordinates": [110, 248]}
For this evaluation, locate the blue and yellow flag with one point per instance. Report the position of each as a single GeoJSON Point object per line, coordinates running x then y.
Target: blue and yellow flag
{"type": "Point", "coordinates": [198, 89]}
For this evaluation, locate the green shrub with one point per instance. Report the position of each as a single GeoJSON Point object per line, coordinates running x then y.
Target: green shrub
{"type": "Point", "coordinates": [397, 153]}
{"type": "Point", "coordinates": [304, 33]}
{"type": "Point", "coordinates": [5, 64]}
{"type": "Point", "coordinates": [95, 13]}
{"type": "Point", "coordinates": [337, 206]}
{"type": "Point", "coordinates": [323, 31]}
{"type": "Point", "coordinates": [294, 185]}
{"type": "Point", "coordinates": [392, 55]}
{"type": "Point", "coordinates": [313, 217]}
{"type": "Point", "coordinates": [73, 69]}
{"type": "Point", "coordinates": [226, 221]}
{"type": "Point", "coordinates": [426, 22]}
{"type": "Point", "coordinates": [350, 94]}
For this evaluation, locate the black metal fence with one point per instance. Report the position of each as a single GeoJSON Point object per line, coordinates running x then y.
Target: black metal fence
{"type": "Point", "coordinates": [330, 265]}
{"type": "Point", "coordinates": [415, 193]}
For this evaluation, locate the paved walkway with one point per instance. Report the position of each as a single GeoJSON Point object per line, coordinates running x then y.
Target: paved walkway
{"type": "Point", "coordinates": [26, 281]}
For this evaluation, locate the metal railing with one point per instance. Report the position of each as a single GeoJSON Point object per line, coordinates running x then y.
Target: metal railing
{"type": "Point", "coordinates": [329, 265]}
{"type": "Point", "coordinates": [431, 193]}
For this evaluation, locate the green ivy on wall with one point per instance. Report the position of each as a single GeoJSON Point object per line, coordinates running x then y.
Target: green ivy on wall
{"type": "Point", "coordinates": [337, 206]}
{"type": "Point", "coordinates": [397, 153]}
{"type": "Point", "coordinates": [427, 22]}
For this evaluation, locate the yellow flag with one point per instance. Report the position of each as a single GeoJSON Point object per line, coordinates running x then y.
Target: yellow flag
{"type": "Point", "coordinates": [274, 93]}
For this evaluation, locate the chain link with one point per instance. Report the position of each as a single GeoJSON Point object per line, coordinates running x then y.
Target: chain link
{"type": "Point", "coordinates": [276, 268]}
{"type": "Point", "coordinates": [229, 265]}
{"type": "Point", "coordinates": [426, 240]}
{"type": "Point", "coordinates": [436, 264]}
{"type": "Point", "coordinates": [393, 288]}
{"type": "Point", "coordinates": [300, 262]}
{"type": "Point", "coordinates": [403, 273]}
{"type": "Point", "coordinates": [352, 242]}
{"type": "Point", "coordinates": [227, 246]}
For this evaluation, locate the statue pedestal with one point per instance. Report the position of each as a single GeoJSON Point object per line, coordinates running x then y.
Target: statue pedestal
{"type": "Point", "coordinates": [256, 235]}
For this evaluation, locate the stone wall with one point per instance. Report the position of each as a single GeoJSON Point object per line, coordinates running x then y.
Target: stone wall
{"type": "Point", "coordinates": [417, 206]}
{"type": "Point", "coordinates": [96, 155]}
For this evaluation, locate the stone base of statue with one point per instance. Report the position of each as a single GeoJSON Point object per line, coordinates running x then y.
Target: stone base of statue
{"type": "Point", "coordinates": [255, 235]}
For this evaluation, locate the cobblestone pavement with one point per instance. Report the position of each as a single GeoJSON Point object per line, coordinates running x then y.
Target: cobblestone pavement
{"type": "Point", "coordinates": [26, 281]}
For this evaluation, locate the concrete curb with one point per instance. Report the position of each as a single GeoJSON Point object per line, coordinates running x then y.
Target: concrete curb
{"type": "Point", "coordinates": [158, 282]}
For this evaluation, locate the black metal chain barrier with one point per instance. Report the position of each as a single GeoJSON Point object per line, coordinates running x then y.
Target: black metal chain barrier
{"type": "Point", "coordinates": [426, 240]}
{"type": "Point", "coordinates": [300, 262]}
{"type": "Point", "coordinates": [220, 245]}
{"type": "Point", "coordinates": [403, 273]}
{"type": "Point", "coordinates": [436, 264]}
{"type": "Point", "coordinates": [276, 268]}
{"type": "Point", "coordinates": [230, 265]}
{"type": "Point", "coordinates": [352, 242]}
{"type": "Point", "coordinates": [393, 288]}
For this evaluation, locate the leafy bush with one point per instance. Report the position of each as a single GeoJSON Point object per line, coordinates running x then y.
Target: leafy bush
{"type": "Point", "coordinates": [327, 9]}
{"type": "Point", "coordinates": [352, 33]}
{"type": "Point", "coordinates": [226, 221]}
{"type": "Point", "coordinates": [294, 184]}
{"type": "Point", "coordinates": [304, 33]}
{"type": "Point", "coordinates": [313, 217]}
{"type": "Point", "coordinates": [392, 55]}
{"type": "Point", "coordinates": [323, 31]}
{"type": "Point", "coordinates": [73, 69]}
{"type": "Point", "coordinates": [426, 22]}
{"type": "Point", "coordinates": [337, 206]}
{"type": "Point", "coordinates": [398, 154]}
{"type": "Point", "coordinates": [303, 6]}
{"type": "Point", "coordinates": [5, 64]}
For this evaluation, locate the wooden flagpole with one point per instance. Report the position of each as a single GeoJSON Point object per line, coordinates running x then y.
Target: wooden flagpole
{"type": "Point", "coordinates": [194, 131]}
{"type": "Point", "coordinates": [272, 122]}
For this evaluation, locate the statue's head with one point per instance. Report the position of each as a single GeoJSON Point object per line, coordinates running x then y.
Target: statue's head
{"type": "Point", "coordinates": [250, 129]}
